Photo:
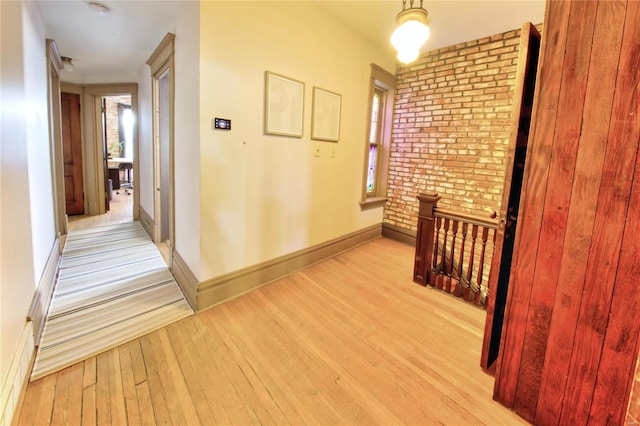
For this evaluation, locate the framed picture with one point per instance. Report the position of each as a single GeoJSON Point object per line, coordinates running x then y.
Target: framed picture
{"type": "Point", "coordinates": [283, 105]}
{"type": "Point", "coordinates": [325, 115]}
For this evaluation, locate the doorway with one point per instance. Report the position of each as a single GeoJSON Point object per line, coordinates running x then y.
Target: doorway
{"type": "Point", "coordinates": [109, 153]}
{"type": "Point", "coordinates": [118, 130]}
{"type": "Point", "coordinates": [161, 64]}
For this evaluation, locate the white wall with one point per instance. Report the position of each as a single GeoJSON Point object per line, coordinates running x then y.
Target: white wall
{"type": "Point", "coordinates": [145, 140]}
{"type": "Point", "coordinates": [265, 196]}
{"type": "Point", "coordinates": [38, 146]}
{"type": "Point", "coordinates": [17, 275]}
{"type": "Point", "coordinates": [187, 135]}
{"type": "Point", "coordinates": [26, 226]}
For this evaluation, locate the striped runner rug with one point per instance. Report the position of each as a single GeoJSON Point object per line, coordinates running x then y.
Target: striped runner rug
{"type": "Point", "coordinates": [113, 286]}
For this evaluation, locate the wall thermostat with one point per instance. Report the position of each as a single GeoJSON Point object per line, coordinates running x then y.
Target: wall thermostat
{"type": "Point", "coordinates": [222, 123]}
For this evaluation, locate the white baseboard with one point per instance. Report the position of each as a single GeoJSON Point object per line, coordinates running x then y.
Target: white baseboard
{"type": "Point", "coordinates": [16, 381]}
{"type": "Point", "coordinates": [148, 224]}
{"type": "Point", "coordinates": [185, 278]}
{"type": "Point", "coordinates": [44, 293]}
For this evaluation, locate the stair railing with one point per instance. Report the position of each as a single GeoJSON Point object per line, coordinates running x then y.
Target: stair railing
{"type": "Point", "coordinates": [453, 250]}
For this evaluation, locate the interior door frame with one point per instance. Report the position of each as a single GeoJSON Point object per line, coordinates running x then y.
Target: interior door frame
{"type": "Point", "coordinates": [161, 61]}
{"type": "Point", "coordinates": [94, 144]}
{"type": "Point", "coordinates": [54, 65]}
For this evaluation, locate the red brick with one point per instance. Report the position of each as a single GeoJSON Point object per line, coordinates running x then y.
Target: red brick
{"type": "Point", "coordinates": [451, 128]}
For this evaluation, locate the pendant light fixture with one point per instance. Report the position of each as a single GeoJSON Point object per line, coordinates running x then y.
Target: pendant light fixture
{"type": "Point", "coordinates": [412, 31]}
{"type": "Point", "coordinates": [67, 65]}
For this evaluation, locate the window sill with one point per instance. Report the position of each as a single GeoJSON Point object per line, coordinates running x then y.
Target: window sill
{"type": "Point", "coordinates": [372, 202]}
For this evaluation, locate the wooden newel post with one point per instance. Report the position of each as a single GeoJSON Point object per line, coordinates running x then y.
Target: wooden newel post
{"type": "Point", "coordinates": [424, 239]}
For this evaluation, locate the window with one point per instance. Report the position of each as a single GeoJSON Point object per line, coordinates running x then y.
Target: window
{"type": "Point", "coordinates": [374, 141]}
{"type": "Point", "coordinates": [378, 137]}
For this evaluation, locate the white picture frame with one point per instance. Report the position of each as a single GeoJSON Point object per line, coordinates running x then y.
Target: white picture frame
{"type": "Point", "coordinates": [325, 115]}
{"type": "Point", "coordinates": [283, 106]}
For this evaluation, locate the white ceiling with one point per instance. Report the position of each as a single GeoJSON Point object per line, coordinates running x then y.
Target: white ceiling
{"type": "Point", "coordinates": [113, 47]}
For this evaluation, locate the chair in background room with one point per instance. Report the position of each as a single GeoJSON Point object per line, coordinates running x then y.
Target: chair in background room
{"type": "Point", "coordinates": [126, 169]}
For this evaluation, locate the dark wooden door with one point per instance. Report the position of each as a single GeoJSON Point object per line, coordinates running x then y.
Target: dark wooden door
{"type": "Point", "coordinates": [72, 153]}
{"type": "Point", "coordinates": [501, 263]}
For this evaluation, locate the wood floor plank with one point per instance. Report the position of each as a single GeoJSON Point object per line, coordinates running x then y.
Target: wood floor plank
{"type": "Point", "coordinates": [116, 394]}
{"type": "Point", "coordinates": [137, 362]}
{"type": "Point", "coordinates": [297, 366]}
{"type": "Point", "coordinates": [370, 405]}
{"type": "Point", "coordinates": [351, 340]}
{"type": "Point", "coordinates": [129, 386]}
{"type": "Point", "coordinates": [234, 382]}
{"type": "Point", "coordinates": [178, 380]}
{"type": "Point", "coordinates": [89, 374]}
{"type": "Point", "coordinates": [60, 399]}
{"type": "Point", "coordinates": [178, 333]}
{"type": "Point", "coordinates": [203, 346]}
{"type": "Point", "coordinates": [147, 414]}
{"type": "Point", "coordinates": [30, 403]}
{"type": "Point", "coordinates": [44, 407]}
{"type": "Point", "coordinates": [89, 409]}
{"type": "Point", "coordinates": [160, 406]}
{"type": "Point", "coordinates": [74, 398]}
{"type": "Point", "coordinates": [102, 395]}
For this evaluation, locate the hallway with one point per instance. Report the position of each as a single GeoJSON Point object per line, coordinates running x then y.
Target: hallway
{"type": "Point", "coordinates": [350, 340]}
{"type": "Point", "coordinates": [120, 211]}
{"type": "Point", "coordinates": [113, 286]}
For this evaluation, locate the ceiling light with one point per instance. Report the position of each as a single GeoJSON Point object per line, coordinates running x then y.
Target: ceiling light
{"type": "Point", "coordinates": [98, 8]}
{"type": "Point", "coordinates": [412, 31]}
{"type": "Point", "coordinates": [67, 65]}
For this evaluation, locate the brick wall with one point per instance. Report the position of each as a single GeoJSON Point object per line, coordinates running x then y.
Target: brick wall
{"type": "Point", "coordinates": [112, 119]}
{"type": "Point", "coordinates": [451, 128]}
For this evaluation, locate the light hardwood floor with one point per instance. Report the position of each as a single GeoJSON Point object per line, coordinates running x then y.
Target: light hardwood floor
{"type": "Point", "coordinates": [350, 340]}
{"type": "Point", "coordinates": [120, 211]}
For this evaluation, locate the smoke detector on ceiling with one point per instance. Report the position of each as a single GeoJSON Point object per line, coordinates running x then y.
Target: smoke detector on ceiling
{"type": "Point", "coordinates": [98, 8]}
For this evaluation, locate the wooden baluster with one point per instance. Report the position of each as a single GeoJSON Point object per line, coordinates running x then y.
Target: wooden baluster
{"type": "Point", "coordinates": [485, 236]}
{"type": "Point", "coordinates": [459, 273]}
{"type": "Point", "coordinates": [474, 235]}
{"type": "Point", "coordinates": [493, 246]}
{"type": "Point", "coordinates": [443, 259]}
{"type": "Point", "coordinates": [434, 261]}
{"type": "Point", "coordinates": [452, 251]}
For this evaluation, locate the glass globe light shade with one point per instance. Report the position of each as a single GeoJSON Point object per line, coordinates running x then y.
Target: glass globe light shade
{"type": "Point", "coordinates": [410, 35]}
{"type": "Point", "coordinates": [407, 56]}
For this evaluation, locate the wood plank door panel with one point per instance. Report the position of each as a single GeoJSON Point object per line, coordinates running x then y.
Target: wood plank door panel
{"type": "Point", "coordinates": [534, 188]}
{"type": "Point", "coordinates": [586, 178]}
{"type": "Point", "coordinates": [573, 311]}
{"type": "Point", "coordinates": [556, 204]}
{"type": "Point", "coordinates": [72, 153]}
{"type": "Point", "coordinates": [505, 235]}
{"type": "Point", "coordinates": [621, 342]}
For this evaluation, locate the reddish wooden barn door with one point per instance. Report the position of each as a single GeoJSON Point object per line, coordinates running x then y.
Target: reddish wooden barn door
{"type": "Point", "coordinates": [501, 262]}
{"type": "Point", "coordinates": [572, 320]}
{"type": "Point", "coordinates": [72, 153]}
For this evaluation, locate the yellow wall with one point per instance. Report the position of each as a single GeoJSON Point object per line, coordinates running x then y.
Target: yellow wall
{"type": "Point", "coordinates": [263, 196]}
